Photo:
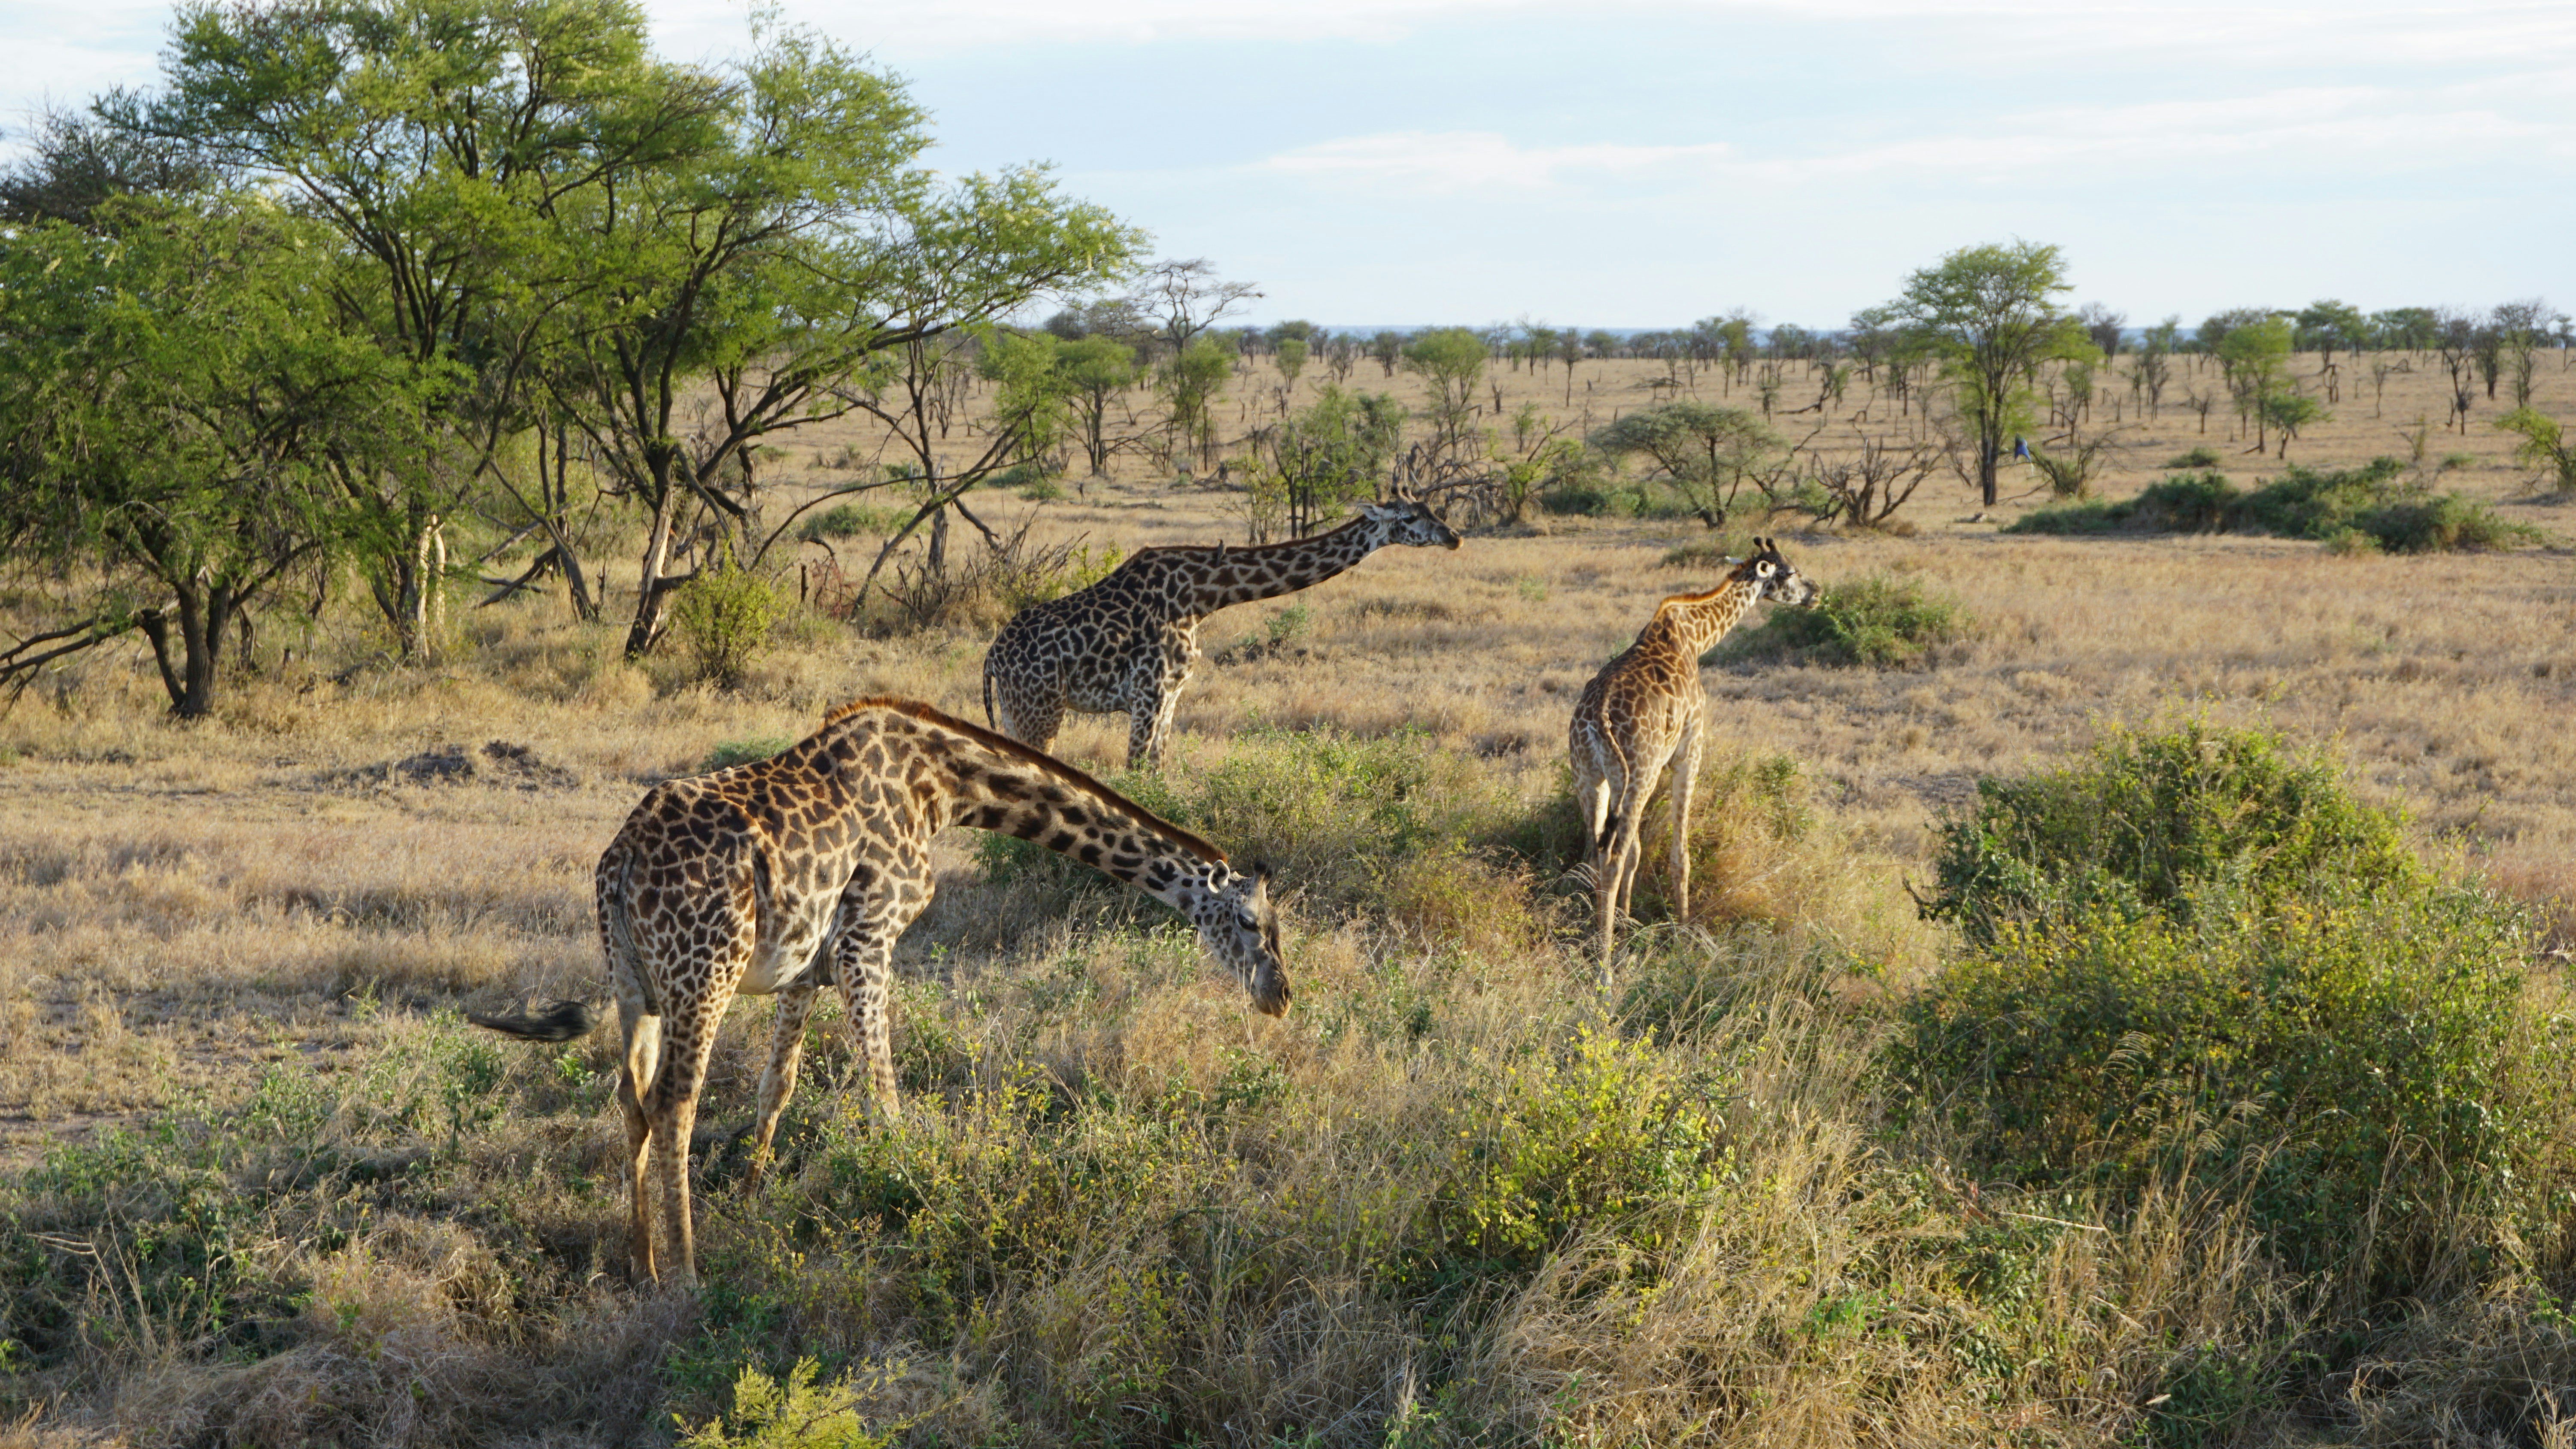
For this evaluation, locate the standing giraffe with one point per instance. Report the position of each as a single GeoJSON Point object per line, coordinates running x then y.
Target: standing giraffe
{"type": "Point", "coordinates": [1645, 708]}
{"type": "Point", "coordinates": [1127, 644]}
{"type": "Point", "coordinates": [737, 881]}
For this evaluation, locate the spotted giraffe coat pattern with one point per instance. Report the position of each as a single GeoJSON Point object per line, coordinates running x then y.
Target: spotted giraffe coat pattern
{"type": "Point", "coordinates": [800, 871]}
{"type": "Point", "coordinates": [1127, 644]}
{"type": "Point", "coordinates": [1646, 709]}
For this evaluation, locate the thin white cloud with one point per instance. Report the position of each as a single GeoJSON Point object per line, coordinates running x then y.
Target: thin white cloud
{"type": "Point", "coordinates": [2298, 131]}
{"type": "Point", "coordinates": [1475, 160]}
{"type": "Point", "coordinates": [2000, 31]}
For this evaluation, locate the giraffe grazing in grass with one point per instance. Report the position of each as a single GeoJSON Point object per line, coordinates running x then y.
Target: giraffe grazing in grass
{"type": "Point", "coordinates": [800, 871]}
{"type": "Point", "coordinates": [1127, 644]}
{"type": "Point", "coordinates": [1645, 708]}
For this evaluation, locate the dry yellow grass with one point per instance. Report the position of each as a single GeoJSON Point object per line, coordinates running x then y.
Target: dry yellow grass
{"type": "Point", "coordinates": [186, 907]}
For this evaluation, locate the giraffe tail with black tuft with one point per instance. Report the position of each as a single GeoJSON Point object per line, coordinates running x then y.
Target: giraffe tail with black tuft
{"type": "Point", "coordinates": [562, 1021]}
{"type": "Point", "coordinates": [988, 697]}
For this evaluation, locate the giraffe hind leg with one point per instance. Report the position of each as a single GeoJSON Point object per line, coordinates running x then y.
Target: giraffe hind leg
{"type": "Point", "coordinates": [1028, 713]}
{"type": "Point", "coordinates": [1685, 777]}
{"type": "Point", "coordinates": [643, 1053]}
{"type": "Point", "coordinates": [1619, 869]}
{"type": "Point", "coordinates": [673, 1110]}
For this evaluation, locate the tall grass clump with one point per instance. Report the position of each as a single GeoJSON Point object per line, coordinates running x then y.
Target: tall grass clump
{"type": "Point", "coordinates": [1871, 622]}
{"type": "Point", "coordinates": [2198, 964]}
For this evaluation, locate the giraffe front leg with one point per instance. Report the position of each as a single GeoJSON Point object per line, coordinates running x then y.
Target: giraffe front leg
{"type": "Point", "coordinates": [778, 1080]}
{"type": "Point", "coordinates": [1149, 732]}
{"type": "Point", "coordinates": [1154, 697]}
{"type": "Point", "coordinates": [872, 1027]}
{"type": "Point", "coordinates": [863, 962]}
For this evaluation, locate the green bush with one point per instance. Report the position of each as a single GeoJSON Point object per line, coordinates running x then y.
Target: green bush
{"type": "Point", "coordinates": [2305, 503]}
{"type": "Point", "coordinates": [848, 520]}
{"type": "Point", "coordinates": [1875, 621]}
{"type": "Point", "coordinates": [795, 1414]}
{"type": "Point", "coordinates": [2340, 509]}
{"type": "Point", "coordinates": [2160, 823]}
{"type": "Point", "coordinates": [2187, 502]}
{"type": "Point", "coordinates": [2348, 1062]}
{"type": "Point", "coordinates": [2199, 962]}
{"type": "Point", "coordinates": [1604, 1131]}
{"type": "Point", "coordinates": [1589, 498]}
{"type": "Point", "coordinates": [743, 752]}
{"type": "Point", "coordinates": [2203, 456]}
{"type": "Point", "coordinates": [2092, 516]}
{"type": "Point", "coordinates": [724, 617]}
{"type": "Point", "coordinates": [1714, 555]}
{"type": "Point", "coordinates": [2441, 523]}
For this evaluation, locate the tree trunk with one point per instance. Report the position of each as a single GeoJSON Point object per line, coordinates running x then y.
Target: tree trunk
{"type": "Point", "coordinates": [204, 611]}
{"type": "Point", "coordinates": [651, 587]}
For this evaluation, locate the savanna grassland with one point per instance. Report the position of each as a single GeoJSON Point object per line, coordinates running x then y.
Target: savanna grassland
{"type": "Point", "coordinates": [1819, 1170]}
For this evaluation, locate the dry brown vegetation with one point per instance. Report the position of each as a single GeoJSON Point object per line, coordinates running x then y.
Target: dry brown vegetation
{"type": "Point", "coordinates": [233, 954]}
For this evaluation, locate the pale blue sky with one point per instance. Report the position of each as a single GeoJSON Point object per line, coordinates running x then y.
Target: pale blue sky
{"type": "Point", "coordinates": [1643, 164]}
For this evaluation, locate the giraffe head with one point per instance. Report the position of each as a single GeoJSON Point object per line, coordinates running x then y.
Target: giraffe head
{"type": "Point", "coordinates": [1774, 577]}
{"type": "Point", "coordinates": [1407, 520]}
{"type": "Point", "coordinates": [1240, 927]}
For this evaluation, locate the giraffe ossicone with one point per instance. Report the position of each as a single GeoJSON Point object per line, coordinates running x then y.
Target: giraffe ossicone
{"type": "Point", "coordinates": [800, 871]}
{"type": "Point", "coordinates": [1127, 644]}
{"type": "Point", "coordinates": [1646, 709]}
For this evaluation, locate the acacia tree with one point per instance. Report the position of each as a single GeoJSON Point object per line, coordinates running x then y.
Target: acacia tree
{"type": "Point", "coordinates": [1186, 298]}
{"type": "Point", "coordinates": [792, 246]}
{"type": "Point", "coordinates": [433, 138]}
{"type": "Point", "coordinates": [523, 190]}
{"type": "Point", "coordinates": [75, 162]}
{"type": "Point", "coordinates": [1191, 380]}
{"type": "Point", "coordinates": [1449, 360]}
{"type": "Point", "coordinates": [1710, 452]}
{"type": "Point", "coordinates": [1989, 311]}
{"type": "Point", "coordinates": [2256, 356]}
{"type": "Point", "coordinates": [2455, 337]}
{"type": "Point", "coordinates": [180, 418]}
{"type": "Point", "coordinates": [2102, 326]}
{"type": "Point", "coordinates": [1095, 373]}
{"type": "Point", "coordinates": [2407, 329]}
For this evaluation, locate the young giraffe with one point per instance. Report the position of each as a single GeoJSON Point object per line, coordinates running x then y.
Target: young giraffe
{"type": "Point", "coordinates": [1645, 708]}
{"type": "Point", "coordinates": [1127, 644]}
{"type": "Point", "coordinates": [737, 881]}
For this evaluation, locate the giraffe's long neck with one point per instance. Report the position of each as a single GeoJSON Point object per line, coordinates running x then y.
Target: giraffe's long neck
{"type": "Point", "coordinates": [1240, 576]}
{"type": "Point", "coordinates": [1068, 812]}
{"type": "Point", "coordinates": [1696, 621]}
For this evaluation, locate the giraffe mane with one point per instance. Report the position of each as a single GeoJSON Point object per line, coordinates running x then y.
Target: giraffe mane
{"type": "Point", "coordinates": [1240, 553]}
{"type": "Point", "coordinates": [1730, 581]}
{"type": "Point", "coordinates": [1002, 744]}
